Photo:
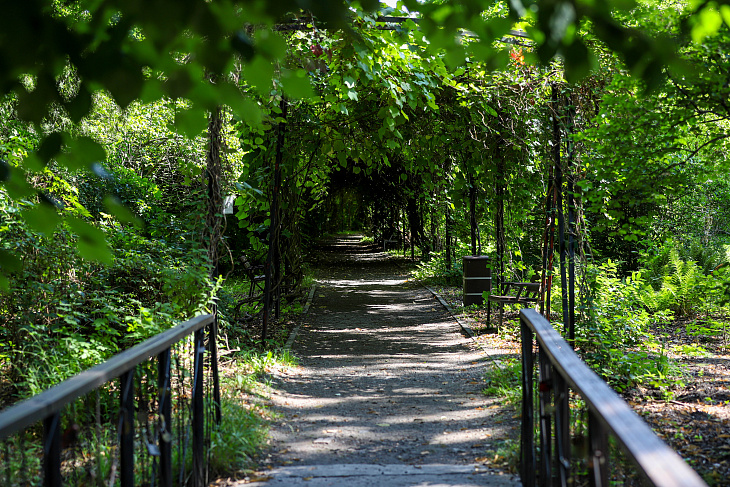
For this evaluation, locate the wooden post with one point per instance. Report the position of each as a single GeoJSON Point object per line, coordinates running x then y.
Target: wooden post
{"type": "Point", "coordinates": [434, 236]}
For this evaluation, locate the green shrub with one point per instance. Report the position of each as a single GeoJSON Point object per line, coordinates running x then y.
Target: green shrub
{"type": "Point", "coordinates": [503, 380]}
{"type": "Point", "coordinates": [614, 339]}
{"type": "Point", "coordinates": [435, 270]}
{"type": "Point", "coordinates": [682, 289]}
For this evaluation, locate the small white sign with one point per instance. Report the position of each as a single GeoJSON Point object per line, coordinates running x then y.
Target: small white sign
{"type": "Point", "coordinates": [228, 204]}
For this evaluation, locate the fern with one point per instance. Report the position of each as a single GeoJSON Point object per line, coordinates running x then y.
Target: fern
{"type": "Point", "coordinates": [683, 288]}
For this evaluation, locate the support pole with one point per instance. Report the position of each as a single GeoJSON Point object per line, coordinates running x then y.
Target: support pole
{"type": "Point", "coordinates": [473, 214]}
{"type": "Point", "coordinates": [215, 199]}
{"type": "Point", "coordinates": [557, 142]}
{"type": "Point", "coordinates": [571, 226]}
{"type": "Point", "coordinates": [272, 262]}
{"type": "Point", "coordinates": [499, 219]}
{"type": "Point", "coordinates": [448, 235]}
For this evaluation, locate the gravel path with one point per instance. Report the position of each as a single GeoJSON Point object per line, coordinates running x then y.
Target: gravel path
{"type": "Point", "coordinates": [385, 379]}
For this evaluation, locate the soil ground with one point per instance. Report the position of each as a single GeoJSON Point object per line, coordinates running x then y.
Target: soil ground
{"type": "Point", "coordinates": [385, 379]}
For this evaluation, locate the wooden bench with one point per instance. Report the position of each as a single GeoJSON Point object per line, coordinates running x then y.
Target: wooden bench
{"type": "Point", "coordinates": [392, 242]}
{"type": "Point", "coordinates": [252, 273]}
{"type": "Point", "coordinates": [524, 293]}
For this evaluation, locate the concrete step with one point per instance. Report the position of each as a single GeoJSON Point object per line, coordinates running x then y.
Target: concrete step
{"type": "Point", "coordinates": [362, 475]}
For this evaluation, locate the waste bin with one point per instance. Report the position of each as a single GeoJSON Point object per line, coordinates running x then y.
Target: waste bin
{"type": "Point", "coordinates": [477, 278]}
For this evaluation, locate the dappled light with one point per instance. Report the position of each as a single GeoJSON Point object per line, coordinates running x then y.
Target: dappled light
{"type": "Point", "coordinates": [298, 169]}
{"type": "Point", "coordinates": [385, 377]}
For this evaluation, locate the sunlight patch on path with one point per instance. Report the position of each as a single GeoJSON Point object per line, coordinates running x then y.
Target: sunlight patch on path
{"type": "Point", "coordinates": [385, 378]}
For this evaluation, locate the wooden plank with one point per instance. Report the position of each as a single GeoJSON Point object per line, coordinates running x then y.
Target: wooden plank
{"type": "Point", "coordinates": [50, 401]}
{"type": "Point", "coordinates": [661, 465]}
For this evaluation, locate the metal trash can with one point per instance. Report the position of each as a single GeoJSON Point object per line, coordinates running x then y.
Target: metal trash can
{"type": "Point", "coordinates": [477, 278]}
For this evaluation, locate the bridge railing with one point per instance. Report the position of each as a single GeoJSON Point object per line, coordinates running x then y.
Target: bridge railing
{"type": "Point", "coordinates": [143, 417]}
{"type": "Point", "coordinates": [574, 449]}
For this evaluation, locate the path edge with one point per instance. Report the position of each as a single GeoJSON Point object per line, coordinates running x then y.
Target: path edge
{"type": "Point", "coordinates": [295, 331]}
{"type": "Point", "coordinates": [463, 322]}
{"type": "Point", "coordinates": [461, 319]}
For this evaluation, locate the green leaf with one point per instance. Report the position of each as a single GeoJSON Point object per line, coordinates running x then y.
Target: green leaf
{"type": "Point", "coordinates": [725, 13]}
{"type": "Point", "coordinates": [42, 218]}
{"type": "Point", "coordinates": [259, 73]}
{"type": "Point", "coordinates": [122, 212]}
{"type": "Point", "coordinates": [272, 45]}
{"type": "Point", "coordinates": [191, 123]}
{"type": "Point", "coordinates": [578, 61]}
{"type": "Point", "coordinates": [296, 84]}
{"type": "Point", "coordinates": [249, 111]}
{"type": "Point", "coordinates": [80, 106]}
{"type": "Point", "coordinates": [707, 24]}
{"type": "Point", "coordinates": [17, 185]}
{"type": "Point", "coordinates": [49, 148]}
{"type": "Point", "coordinates": [242, 43]}
{"type": "Point", "coordinates": [9, 262]}
{"type": "Point", "coordinates": [82, 153]}
{"type": "Point", "coordinates": [91, 242]}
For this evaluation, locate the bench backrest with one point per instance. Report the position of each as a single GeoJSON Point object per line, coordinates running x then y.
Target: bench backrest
{"type": "Point", "coordinates": [523, 291]}
{"type": "Point", "coordinates": [248, 268]}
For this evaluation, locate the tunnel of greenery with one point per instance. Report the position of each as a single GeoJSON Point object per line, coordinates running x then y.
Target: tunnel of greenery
{"type": "Point", "coordinates": [452, 128]}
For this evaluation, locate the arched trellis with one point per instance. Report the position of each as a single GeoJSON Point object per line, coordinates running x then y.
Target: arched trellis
{"type": "Point", "coordinates": [272, 291]}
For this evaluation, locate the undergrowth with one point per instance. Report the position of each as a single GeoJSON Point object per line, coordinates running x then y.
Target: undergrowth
{"type": "Point", "coordinates": [503, 380]}
{"type": "Point", "coordinates": [245, 418]}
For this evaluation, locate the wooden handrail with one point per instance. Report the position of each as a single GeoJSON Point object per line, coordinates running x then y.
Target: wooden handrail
{"type": "Point", "coordinates": [659, 464]}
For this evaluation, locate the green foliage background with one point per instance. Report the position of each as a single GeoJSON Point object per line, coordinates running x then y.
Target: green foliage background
{"type": "Point", "coordinates": [395, 129]}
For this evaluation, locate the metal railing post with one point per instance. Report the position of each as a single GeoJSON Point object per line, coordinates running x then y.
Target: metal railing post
{"type": "Point", "coordinates": [545, 388]}
{"type": "Point", "coordinates": [213, 344]}
{"type": "Point", "coordinates": [126, 433]}
{"type": "Point", "coordinates": [165, 412]}
{"type": "Point", "coordinates": [198, 411]}
{"type": "Point", "coordinates": [52, 451]}
{"type": "Point", "coordinates": [598, 455]}
{"type": "Point", "coordinates": [527, 440]}
{"type": "Point", "coordinates": [562, 428]}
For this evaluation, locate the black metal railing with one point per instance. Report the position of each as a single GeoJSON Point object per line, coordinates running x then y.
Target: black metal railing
{"type": "Point", "coordinates": [151, 427]}
{"type": "Point", "coordinates": [575, 448]}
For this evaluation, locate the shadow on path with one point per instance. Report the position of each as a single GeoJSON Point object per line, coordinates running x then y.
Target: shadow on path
{"type": "Point", "coordinates": [385, 378]}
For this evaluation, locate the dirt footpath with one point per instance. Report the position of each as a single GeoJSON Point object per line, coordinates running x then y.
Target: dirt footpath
{"type": "Point", "coordinates": [385, 378]}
